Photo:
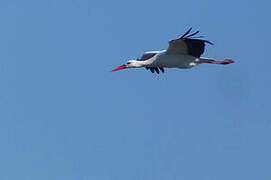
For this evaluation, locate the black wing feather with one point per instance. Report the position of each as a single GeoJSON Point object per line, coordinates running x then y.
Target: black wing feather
{"type": "Point", "coordinates": [162, 69]}
{"type": "Point", "coordinates": [157, 70]}
{"type": "Point", "coordinates": [188, 44]}
{"type": "Point", "coordinates": [187, 32]}
{"type": "Point", "coordinates": [193, 34]}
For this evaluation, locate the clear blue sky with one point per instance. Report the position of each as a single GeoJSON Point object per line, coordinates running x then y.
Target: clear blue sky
{"type": "Point", "coordinates": [63, 115]}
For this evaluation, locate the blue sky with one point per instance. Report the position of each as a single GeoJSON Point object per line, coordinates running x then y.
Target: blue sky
{"type": "Point", "coordinates": [63, 115]}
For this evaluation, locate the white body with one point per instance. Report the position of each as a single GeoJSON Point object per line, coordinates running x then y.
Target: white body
{"type": "Point", "coordinates": [162, 59]}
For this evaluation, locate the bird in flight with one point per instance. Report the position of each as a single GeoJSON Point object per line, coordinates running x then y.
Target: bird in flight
{"type": "Point", "coordinates": [184, 53]}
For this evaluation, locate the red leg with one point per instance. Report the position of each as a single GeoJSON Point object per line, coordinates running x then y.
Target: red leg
{"type": "Point", "coordinates": [225, 61]}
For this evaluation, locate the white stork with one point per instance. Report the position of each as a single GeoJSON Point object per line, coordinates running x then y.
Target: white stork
{"type": "Point", "coordinates": [182, 53]}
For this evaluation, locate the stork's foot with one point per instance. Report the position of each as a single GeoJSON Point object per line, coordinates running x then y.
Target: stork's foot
{"type": "Point", "coordinates": [226, 61]}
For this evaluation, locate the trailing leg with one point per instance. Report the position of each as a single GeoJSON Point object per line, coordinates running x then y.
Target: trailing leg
{"type": "Point", "coordinates": [212, 61]}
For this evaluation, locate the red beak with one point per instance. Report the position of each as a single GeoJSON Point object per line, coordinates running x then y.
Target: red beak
{"type": "Point", "coordinates": [119, 68]}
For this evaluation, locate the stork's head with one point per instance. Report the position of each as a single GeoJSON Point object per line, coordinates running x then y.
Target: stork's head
{"type": "Point", "coordinates": [129, 64]}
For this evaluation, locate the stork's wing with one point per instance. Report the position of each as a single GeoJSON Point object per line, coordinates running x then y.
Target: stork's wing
{"type": "Point", "coordinates": [187, 44]}
{"type": "Point", "coordinates": [147, 56]}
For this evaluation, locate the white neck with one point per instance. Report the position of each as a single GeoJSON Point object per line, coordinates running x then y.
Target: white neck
{"type": "Point", "coordinates": [144, 63]}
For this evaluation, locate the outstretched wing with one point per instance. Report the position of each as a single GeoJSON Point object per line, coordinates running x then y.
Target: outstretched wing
{"type": "Point", "coordinates": [147, 56]}
{"type": "Point", "coordinates": [187, 44]}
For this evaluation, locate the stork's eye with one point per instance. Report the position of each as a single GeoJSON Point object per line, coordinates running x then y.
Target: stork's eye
{"type": "Point", "coordinates": [129, 63]}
